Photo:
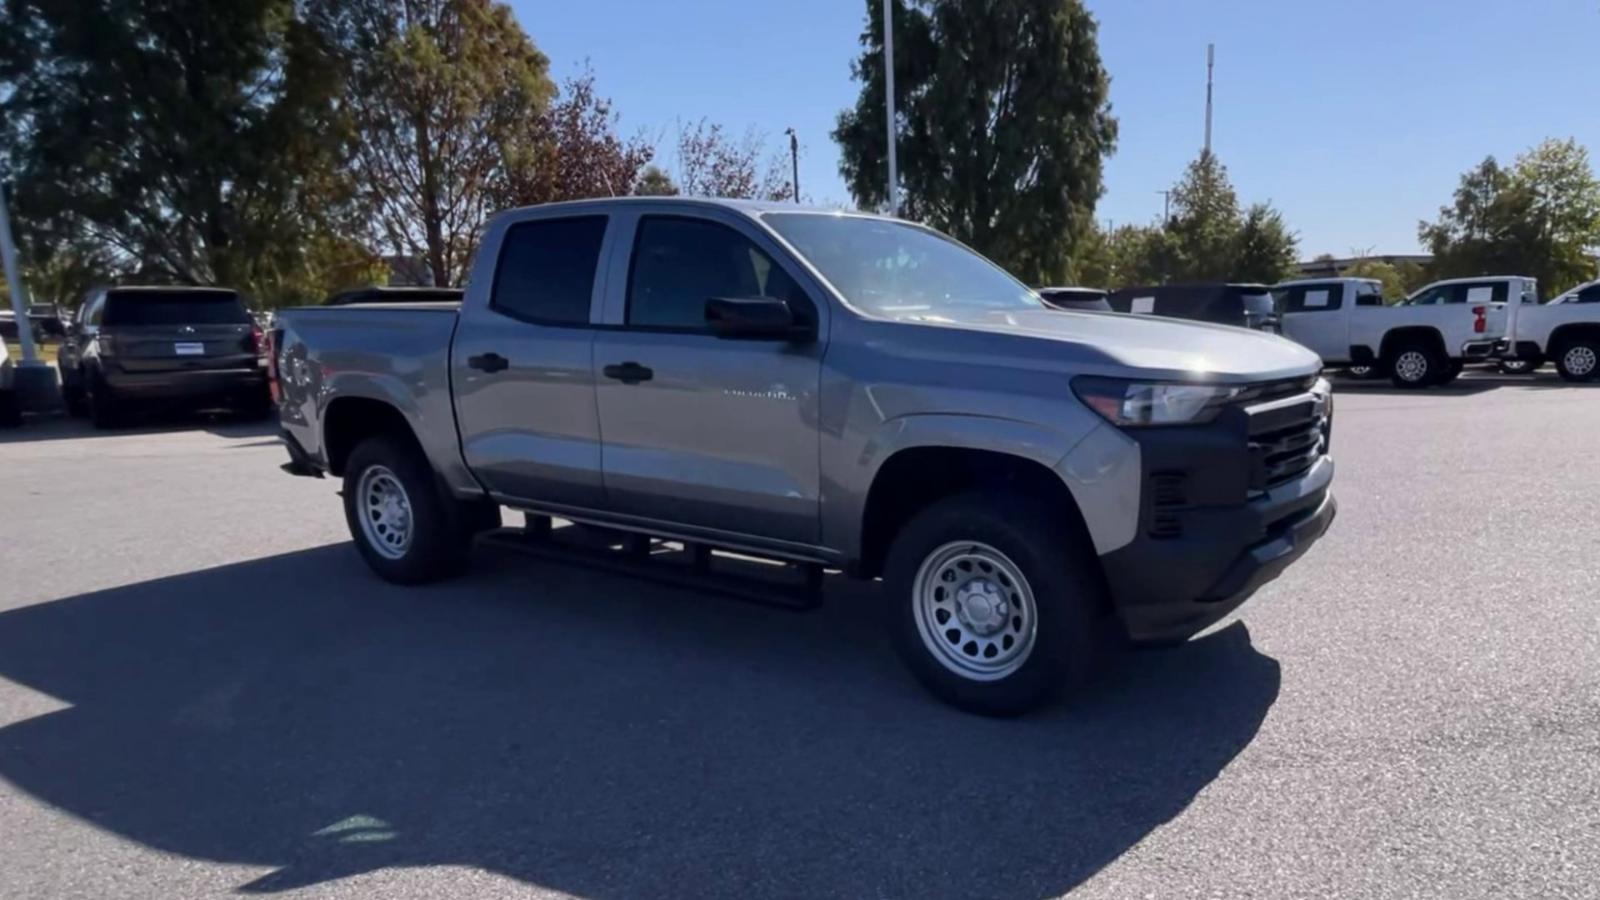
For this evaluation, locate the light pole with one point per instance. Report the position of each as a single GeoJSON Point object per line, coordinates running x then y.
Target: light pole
{"type": "Point", "coordinates": [888, 102]}
{"type": "Point", "coordinates": [37, 390]}
{"type": "Point", "coordinates": [794, 160]}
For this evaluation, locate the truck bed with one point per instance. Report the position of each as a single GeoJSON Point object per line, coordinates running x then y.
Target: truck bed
{"type": "Point", "coordinates": [396, 353]}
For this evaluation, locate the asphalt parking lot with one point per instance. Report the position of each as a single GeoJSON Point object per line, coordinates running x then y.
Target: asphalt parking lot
{"type": "Point", "coordinates": [204, 692]}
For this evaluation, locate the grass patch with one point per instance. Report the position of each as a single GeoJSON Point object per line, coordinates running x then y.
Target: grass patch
{"type": "Point", "coordinates": [47, 352]}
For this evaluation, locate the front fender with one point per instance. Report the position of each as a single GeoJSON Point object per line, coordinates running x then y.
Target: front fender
{"type": "Point", "coordinates": [1098, 464]}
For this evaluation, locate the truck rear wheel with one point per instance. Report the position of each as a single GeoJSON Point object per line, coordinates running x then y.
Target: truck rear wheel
{"type": "Point", "coordinates": [407, 528]}
{"type": "Point", "coordinates": [1579, 360]}
{"type": "Point", "coordinates": [1415, 366]}
{"type": "Point", "coordinates": [994, 602]}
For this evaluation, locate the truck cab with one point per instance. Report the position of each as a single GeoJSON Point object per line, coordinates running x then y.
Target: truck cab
{"type": "Point", "coordinates": [1565, 331]}
{"type": "Point", "coordinates": [1421, 341]}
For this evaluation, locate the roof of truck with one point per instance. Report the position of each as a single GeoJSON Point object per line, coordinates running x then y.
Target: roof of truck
{"type": "Point", "coordinates": [752, 208]}
{"type": "Point", "coordinates": [1332, 279]}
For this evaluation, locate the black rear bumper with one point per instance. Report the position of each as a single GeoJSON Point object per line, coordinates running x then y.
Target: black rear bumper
{"type": "Point", "coordinates": [1221, 517]}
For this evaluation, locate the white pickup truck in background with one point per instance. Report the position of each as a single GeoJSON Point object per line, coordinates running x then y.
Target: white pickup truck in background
{"type": "Point", "coordinates": [1565, 331]}
{"type": "Point", "coordinates": [1423, 341]}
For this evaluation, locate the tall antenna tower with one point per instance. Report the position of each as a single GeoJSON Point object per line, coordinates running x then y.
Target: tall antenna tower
{"type": "Point", "coordinates": [1211, 61]}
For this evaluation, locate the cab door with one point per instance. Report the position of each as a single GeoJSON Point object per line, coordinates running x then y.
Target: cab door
{"type": "Point", "coordinates": [522, 363]}
{"type": "Point", "coordinates": [699, 430]}
{"type": "Point", "coordinates": [1314, 316]}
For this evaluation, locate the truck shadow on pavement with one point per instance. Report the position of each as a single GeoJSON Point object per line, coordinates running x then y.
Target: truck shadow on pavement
{"type": "Point", "coordinates": [589, 734]}
{"type": "Point", "coordinates": [60, 428]}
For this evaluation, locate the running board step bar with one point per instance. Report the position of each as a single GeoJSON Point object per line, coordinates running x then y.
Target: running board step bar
{"type": "Point", "coordinates": [791, 586]}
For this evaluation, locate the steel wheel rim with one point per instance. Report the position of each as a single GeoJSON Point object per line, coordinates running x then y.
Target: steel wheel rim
{"type": "Point", "coordinates": [1360, 371]}
{"type": "Point", "coordinates": [384, 509]}
{"type": "Point", "coordinates": [1581, 360]}
{"type": "Point", "coordinates": [975, 611]}
{"type": "Point", "coordinates": [1412, 365]}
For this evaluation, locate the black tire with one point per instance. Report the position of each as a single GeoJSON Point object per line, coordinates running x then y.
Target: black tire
{"type": "Point", "coordinates": [1415, 365]}
{"type": "Point", "coordinates": [440, 527]}
{"type": "Point", "coordinates": [105, 409]}
{"type": "Point", "coordinates": [10, 410]}
{"type": "Point", "coordinates": [1450, 372]}
{"type": "Point", "coordinates": [77, 404]}
{"type": "Point", "coordinates": [1578, 360]}
{"type": "Point", "coordinates": [1525, 365]}
{"type": "Point", "coordinates": [1058, 567]}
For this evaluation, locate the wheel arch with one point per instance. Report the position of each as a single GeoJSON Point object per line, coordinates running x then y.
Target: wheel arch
{"type": "Point", "coordinates": [912, 478]}
{"type": "Point", "coordinates": [1410, 335]}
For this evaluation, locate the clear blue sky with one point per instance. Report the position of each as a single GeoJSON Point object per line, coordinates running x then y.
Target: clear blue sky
{"type": "Point", "coordinates": [1355, 118]}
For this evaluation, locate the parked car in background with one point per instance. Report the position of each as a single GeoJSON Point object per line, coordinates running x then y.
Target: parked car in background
{"type": "Point", "coordinates": [189, 347]}
{"type": "Point", "coordinates": [1080, 299]}
{"type": "Point", "coordinates": [394, 295]}
{"type": "Point", "coordinates": [9, 326]}
{"type": "Point", "coordinates": [1425, 340]}
{"type": "Point", "coordinates": [1565, 331]}
{"type": "Point", "coordinates": [828, 389]}
{"type": "Point", "coordinates": [10, 409]}
{"type": "Point", "coordinates": [1242, 305]}
{"type": "Point", "coordinates": [47, 320]}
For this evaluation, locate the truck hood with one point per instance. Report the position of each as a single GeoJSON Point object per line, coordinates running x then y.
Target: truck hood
{"type": "Point", "coordinates": [1170, 348]}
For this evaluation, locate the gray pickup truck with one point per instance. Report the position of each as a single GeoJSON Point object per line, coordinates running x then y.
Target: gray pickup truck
{"type": "Point", "coordinates": [834, 390]}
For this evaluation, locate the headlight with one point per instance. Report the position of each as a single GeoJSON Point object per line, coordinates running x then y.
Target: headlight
{"type": "Point", "coordinates": [1132, 404]}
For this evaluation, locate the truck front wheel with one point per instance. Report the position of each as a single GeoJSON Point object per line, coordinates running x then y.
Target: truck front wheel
{"type": "Point", "coordinates": [1579, 360]}
{"type": "Point", "coordinates": [995, 602]}
{"type": "Point", "coordinates": [407, 528]}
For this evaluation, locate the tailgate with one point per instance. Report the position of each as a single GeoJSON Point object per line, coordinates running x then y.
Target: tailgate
{"type": "Point", "coordinates": [164, 348]}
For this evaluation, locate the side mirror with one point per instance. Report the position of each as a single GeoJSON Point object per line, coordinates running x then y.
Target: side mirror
{"type": "Point", "coordinates": [756, 318]}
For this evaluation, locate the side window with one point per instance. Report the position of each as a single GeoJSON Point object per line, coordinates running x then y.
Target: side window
{"type": "Point", "coordinates": [1490, 292]}
{"type": "Point", "coordinates": [1368, 294]}
{"type": "Point", "coordinates": [545, 273]}
{"type": "Point", "coordinates": [1444, 293]}
{"type": "Point", "coordinates": [680, 263]}
{"type": "Point", "coordinates": [1311, 298]}
{"type": "Point", "coordinates": [1589, 294]}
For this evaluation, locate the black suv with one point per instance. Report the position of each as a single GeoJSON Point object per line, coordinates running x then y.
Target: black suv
{"type": "Point", "coordinates": [178, 346]}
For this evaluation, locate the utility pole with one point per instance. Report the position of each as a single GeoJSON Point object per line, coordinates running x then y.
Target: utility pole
{"type": "Point", "coordinates": [36, 386]}
{"type": "Point", "coordinates": [888, 102]}
{"type": "Point", "coordinates": [794, 161]}
{"type": "Point", "coordinates": [1211, 60]}
{"type": "Point", "coordinates": [1166, 206]}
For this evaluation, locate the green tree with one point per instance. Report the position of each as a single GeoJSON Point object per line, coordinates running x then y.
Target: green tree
{"type": "Point", "coordinates": [1540, 217]}
{"type": "Point", "coordinates": [1394, 285]}
{"type": "Point", "coordinates": [1141, 255]}
{"type": "Point", "coordinates": [1263, 247]}
{"type": "Point", "coordinates": [654, 182]}
{"type": "Point", "coordinates": [184, 139]}
{"type": "Point", "coordinates": [445, 97]}
{"type": "Point", "coordinates": [1003, 120]}
{"type": "Point", "coordinates": [1207, 237]}
{"type": "Point", "coordinates": [1205, 221]}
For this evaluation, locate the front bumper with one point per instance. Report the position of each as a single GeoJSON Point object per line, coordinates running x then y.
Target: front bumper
{"type": "Point", "coordinates": [1217, 520]}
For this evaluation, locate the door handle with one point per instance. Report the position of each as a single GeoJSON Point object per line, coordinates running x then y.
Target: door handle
{"type": "Point", "coordinates": [628, 372]}
{"type": "Point", "coordinates": [488, 362]}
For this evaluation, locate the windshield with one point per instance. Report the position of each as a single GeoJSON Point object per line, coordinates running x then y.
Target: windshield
{"type": "Point", "coordinates": [894, 269]}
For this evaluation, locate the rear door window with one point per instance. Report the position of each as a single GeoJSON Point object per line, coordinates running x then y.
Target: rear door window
{"type": "Point", "coordinates": [174, 308]}
{"type": "Point", "coordinates": [546, 270]}
{"type": "Point", "coordinates": [1312, 298]}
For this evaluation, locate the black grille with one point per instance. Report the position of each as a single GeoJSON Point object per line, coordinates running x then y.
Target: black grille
{"type": "Point", "coordinates": [1286, 442]}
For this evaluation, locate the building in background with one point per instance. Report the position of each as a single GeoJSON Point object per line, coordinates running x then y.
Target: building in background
{"type": "Point", "coordinates": [1333, 268]}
